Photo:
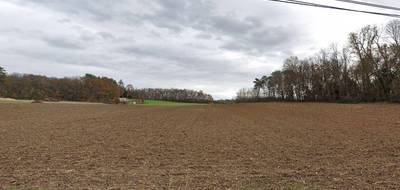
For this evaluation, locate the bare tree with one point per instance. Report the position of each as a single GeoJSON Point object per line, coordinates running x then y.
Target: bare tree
{"type": "Point", "coordinates": [368, 70]}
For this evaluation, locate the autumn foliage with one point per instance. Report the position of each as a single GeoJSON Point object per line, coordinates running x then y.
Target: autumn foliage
{"type": "Point", "coordinates": [88, 88]}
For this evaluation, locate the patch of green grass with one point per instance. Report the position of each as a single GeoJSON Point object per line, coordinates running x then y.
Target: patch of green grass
{"type": "Point", "coordinates": [14, 101]}
{"type": "Point", "coordinates": [168, 103]}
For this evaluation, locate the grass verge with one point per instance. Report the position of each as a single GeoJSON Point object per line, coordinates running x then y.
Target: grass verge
{"type": "Point", "coordinates": [168, 103]}
{"type": "Point", "coordinates": [14, 101]}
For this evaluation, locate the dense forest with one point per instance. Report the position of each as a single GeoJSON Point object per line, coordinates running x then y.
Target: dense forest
{"type": "Point", "coordinates": [88, 88]}
{"type": "Point", "coordinates": [366, 70]}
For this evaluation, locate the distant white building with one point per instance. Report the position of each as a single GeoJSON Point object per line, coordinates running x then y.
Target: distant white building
{"type": "Point", "coordinates": [123, 100]}
{"type": "Point", "coordinates": [130, 101]}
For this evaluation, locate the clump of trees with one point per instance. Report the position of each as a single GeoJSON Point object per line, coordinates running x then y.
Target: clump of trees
{"type": "Point", "coordinates": [178, 95]}
{"type": "Point", "coordinates": [367, 70]}
{"type": "Point", "coordinates": [88, 88]}
{"type": "Point", "coordinates": [2, 75]}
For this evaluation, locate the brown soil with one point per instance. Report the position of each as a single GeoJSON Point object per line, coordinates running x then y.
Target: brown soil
{"type": "Point", "coordinates": [249, 146]}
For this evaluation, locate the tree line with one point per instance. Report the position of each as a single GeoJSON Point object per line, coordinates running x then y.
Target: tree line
{"type": "Point", "coordinates": [35, 87]}
{"type": "Point", "coordinates": [89, 88]}
{"type": "Point", "coordinates": [366, 70]}
{"type": "Point", "coordinates": [178, 95]}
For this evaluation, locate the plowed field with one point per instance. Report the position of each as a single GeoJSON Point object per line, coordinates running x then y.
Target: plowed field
{"type": "Point", "coordinates": [247, 146]}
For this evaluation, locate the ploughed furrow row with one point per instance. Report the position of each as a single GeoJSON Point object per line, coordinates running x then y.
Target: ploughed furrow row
{"type": "Point", "coordinates": [244, 146]}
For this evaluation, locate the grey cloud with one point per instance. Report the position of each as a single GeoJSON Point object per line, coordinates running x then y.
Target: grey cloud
{"type": "Point", "coordinates": [204, 36]}
{"type": "Point", "coordinates": [99, 10]}
{"type": "Point", "coordinates": [177, 58]}
{"type": "Point", "coordinates": [230, 25]}
{"type": "Point", "coordinates": [246, 33]}
{"type": "Point", "coordinates": [249, 32]}
{"type": "Point", "coordinates": [265, 40]}
{"type": "Point", "coordinates": [106, 35]}
{"type": "Point", "coordinates": [158, 43]}
{"type": "Point", "coordinates": [64, 20]}
{"type": "Point", "coordinates": [62, 43]}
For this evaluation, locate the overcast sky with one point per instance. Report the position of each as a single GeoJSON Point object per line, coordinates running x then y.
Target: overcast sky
{"type": "Point", "coordinates": [218, 46]}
